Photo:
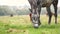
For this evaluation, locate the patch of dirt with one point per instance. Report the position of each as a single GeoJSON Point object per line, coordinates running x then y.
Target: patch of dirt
{"type": "Point", "coordinates": [17, 30]}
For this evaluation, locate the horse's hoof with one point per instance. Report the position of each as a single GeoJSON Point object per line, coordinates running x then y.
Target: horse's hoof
{"type": "Point", "coordinates": [55, 23]}
{"type": "Point", "coordinates": [49, 23]}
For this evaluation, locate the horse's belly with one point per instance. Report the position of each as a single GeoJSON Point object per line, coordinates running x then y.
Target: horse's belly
{"type": "Point", "coordinates": [46, 5]}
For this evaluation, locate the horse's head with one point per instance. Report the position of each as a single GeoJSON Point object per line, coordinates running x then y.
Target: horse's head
{"type": "Point", "coordinates": [35, 17]}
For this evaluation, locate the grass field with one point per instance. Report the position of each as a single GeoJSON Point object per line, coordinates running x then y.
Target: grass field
{"type": "Point", "coordinates": [22, 25]}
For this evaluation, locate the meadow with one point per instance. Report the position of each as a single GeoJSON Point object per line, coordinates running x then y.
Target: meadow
{"type": "Point", "coordinates": [22, 25]}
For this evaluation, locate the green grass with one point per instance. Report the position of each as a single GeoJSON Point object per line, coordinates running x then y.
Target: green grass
{"type": "Point", "coordinates": [22, 25]}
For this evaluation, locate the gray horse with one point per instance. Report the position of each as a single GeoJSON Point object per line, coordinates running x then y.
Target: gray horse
{"type": "Point", "coordinates": [36, 6]}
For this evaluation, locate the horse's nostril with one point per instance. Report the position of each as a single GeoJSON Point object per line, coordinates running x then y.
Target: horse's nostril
{"type": "Point", "coordinates": [36, 25]}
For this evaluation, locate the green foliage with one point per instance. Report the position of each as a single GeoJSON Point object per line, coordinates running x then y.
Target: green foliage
{"type": "Point", "coordinates": [8, 10]}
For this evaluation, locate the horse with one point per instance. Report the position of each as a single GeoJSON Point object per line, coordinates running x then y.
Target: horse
{"type": "Point", "coordinates": [36, 6]}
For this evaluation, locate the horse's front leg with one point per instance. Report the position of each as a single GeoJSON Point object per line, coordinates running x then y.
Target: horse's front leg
{"type": "Point", "coordinates": [55, 9]}
{"type": "Point", "coordinates": [39, 11]}
{"type": "Point", "coordinates": [55, 14]}
{"type": "Point", "coordinates": [49, 14]}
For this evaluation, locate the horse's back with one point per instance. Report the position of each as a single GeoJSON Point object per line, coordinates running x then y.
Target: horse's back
{"type": "Point", "coordinates": [44, 3]}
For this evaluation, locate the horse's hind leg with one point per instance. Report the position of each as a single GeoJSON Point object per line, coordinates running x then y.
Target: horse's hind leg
{"type": "Point", "coordinates": [55, 8]}
{"type": "Point", "coordinates": [49, 14]}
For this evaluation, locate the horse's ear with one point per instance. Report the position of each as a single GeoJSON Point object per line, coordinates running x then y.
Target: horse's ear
{"type": "Point", "coordinates": [30, 10]}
